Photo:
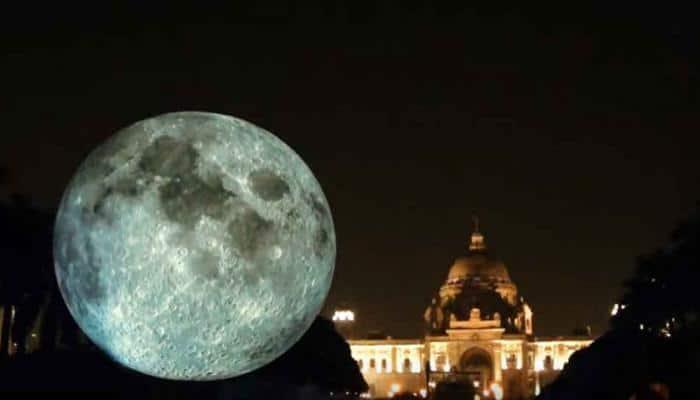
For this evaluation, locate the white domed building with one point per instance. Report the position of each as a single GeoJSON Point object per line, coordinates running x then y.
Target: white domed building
{"type": "Point", "coordinates": [479, 330]}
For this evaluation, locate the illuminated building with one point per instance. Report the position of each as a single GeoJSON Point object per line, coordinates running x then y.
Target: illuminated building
{"type": "Point", "coordinates": [479, 330]}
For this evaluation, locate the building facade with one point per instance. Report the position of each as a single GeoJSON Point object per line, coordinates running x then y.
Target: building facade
{"type": "Point", "coordinates": [479, 331]}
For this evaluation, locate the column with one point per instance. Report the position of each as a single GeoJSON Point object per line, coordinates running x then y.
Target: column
{"type": "Point", "coordinates": [497, 377]}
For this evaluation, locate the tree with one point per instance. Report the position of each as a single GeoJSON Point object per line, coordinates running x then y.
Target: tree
{"type": "Point", "coordinates": [661, 301]}
{"type": "Point", "coordinates": [612, 367]}
{"type": "Point", "coordinates": [660, 297]}
{"type": "Point", "coordinates": [654, 338]}
{"type": "Point", "coordinates": [26, 273]}
{"type": "Point", "coordinates": [321, 357]}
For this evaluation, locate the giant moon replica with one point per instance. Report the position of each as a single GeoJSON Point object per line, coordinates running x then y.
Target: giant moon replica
{"type": "Point", "coordinates": [194, 246]}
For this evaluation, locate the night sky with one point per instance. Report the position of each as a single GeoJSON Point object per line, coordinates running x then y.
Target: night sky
{"type": "Point", "coordinates": [571, 133]}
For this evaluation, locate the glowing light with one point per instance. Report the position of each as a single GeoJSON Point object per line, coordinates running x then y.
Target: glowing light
{"type": "Point", "coordinates": [423, 393]}
{"type": "Point", "coordinates": [641, 327]}
{"type": "Point", "coordinates": [390, 394]}
{"type": "Point", "coordinates": [344, 315]}
{"type": "Point", "coordinates": [615, 309]}
{"type": "Point", "coordinates": [485, 393]}
{"type": "Point", "coordinates": [431, 385]}
{"type": "Point", "coordinates": [395, 387]}
{"type": "Point", "coordinates": [497, 391]}
{"type": "Point", "coordinates": [539, 366]}
{"type": "Point", "coordinates": [446, 368]}
{"type": "Point", "coordinates": [476, 384]}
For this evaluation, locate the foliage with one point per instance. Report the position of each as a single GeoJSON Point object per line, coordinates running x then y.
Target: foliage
{"type": "Point", "coordinates": [25, 248]}
{"type": "Point", "coordinates": [26, 274]}
{"type": "Point", "coordinates": [655, 333]}
{"type": "Point", "coordinates": [321, 357]}
{"type": "Point", "coordinates": [660, 297]}
{"type": "Point", "coordinates": [661, 301]}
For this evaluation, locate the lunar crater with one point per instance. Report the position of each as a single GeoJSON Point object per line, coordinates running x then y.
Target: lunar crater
{"type": "Point", "coordinates": [250, 233]}
{"type": "Point", "coordinates": [167, 156]}
{"type": "Point", "coordinates": [187, 198]}
{"type": "Point", "coordinates": [268, 185]}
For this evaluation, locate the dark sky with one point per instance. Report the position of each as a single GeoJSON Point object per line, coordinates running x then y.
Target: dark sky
{"type": "Point", "coordinates": [572, 133]}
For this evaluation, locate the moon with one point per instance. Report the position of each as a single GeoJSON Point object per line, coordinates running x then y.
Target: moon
{"type": "Point", "coordinates": [194, 246]}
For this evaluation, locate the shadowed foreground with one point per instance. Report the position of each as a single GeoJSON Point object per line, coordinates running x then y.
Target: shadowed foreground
{"type": "Point", "coordinates": [318, 364]}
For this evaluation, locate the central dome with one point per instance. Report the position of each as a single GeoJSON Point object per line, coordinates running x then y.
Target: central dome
{"type": "Point", "coordinates": [478, 272]}
{"type": "Point", "coordinates": [478, 265]}
{"type": "Point", "coordinates": [478, 288]}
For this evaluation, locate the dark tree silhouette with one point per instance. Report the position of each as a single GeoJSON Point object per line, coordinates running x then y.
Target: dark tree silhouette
{"type": "Point", "coordinates": [660, 297]}
{"type": "Point", "coordinates": [613, 367]}
{"type": "Point", "coordinates": [661, 301]}
{"type": "Point", "coordinates": [328, 360]}
{"type": "Point", "coordinates": [26, 276]}
{"type": "Point", "coordinates": [654, 338]}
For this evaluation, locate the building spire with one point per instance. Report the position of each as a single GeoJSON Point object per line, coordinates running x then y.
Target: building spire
{"type": "Point", "coordinates": [476, 243]}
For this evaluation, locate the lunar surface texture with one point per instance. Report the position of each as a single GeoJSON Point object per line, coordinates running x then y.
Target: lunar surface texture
{"type": "Point", "coordinates": [194, 246]}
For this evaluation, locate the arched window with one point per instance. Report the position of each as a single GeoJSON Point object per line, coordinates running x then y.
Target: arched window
{"type": "Point", "coordinates": [372, 363]}
{"type": "Point", "coordinates": [406, 365]}
{"type": "Point", "coordinates": [511, 361]}
{"type": "Point", "coordinates": [440, 361]}
{"type": "Point", "coordinates": [548, 363]}
{"type": "Point", "coordinates": [384, 364]}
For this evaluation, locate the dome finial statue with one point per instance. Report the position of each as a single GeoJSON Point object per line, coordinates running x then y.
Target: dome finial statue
{"type": "Point", "coordinates": [476, 243]}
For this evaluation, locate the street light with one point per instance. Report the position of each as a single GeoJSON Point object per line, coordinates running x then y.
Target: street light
{"type": "Point", "coordinates": [343, 316]}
